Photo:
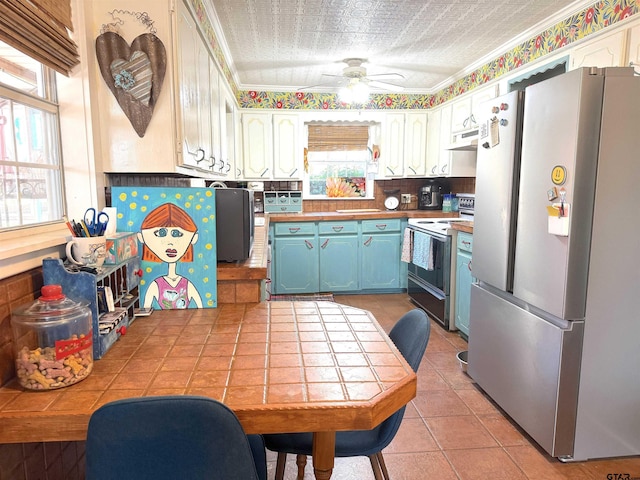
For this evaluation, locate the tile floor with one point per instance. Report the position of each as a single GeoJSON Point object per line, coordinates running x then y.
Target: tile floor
{"type": "Point", "coordinates": [451, 430]}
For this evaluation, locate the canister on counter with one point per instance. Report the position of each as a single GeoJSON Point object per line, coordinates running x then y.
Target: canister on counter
{"type": "Point", "coordinates": [53, 342]}
{"type": "Point", "coordinates": [447, 202]}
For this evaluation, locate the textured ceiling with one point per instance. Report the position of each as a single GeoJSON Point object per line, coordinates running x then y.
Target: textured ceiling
{"type": "Point", "coordinates": [289, 44]}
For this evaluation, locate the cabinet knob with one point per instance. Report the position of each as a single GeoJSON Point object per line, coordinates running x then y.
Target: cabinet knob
{"type": "Point", "coordinates": [122, 330]}
{"type": "Point", "coordinates": [138, 272]}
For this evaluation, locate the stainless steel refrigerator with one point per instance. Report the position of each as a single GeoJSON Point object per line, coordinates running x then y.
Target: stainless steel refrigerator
{"type": "Point", "coordinates": [555, 316]}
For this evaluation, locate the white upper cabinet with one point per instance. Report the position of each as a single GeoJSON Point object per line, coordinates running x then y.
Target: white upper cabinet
{"type": "Point", "coordinates": [478, 97]}
{"type": "Point", "coordinates": [415, 150]}
{"type": "Point", "coordinates": [634, 47]}
{"type": "Point", "coordinates": [286, 146]}
{"type": "Point", "coordinates": [607, 51]}
{"type": "Point", "coordinates": [444, 156]}
{"type": "Point", "coordinates": [462, 110]}
{"type": "Point", "coordinates": [461, 115]}
{"type": "Point", "coordinates": [404, 145]}
{"type": "Point", "coordinates": [228, 149]}
{"type": "Point", "coordinates": [188, 87]}
{"type": "Point", "coordinates": [392, 148]}
{"type": "Point", "coordinates": [257, 146]}
{"type": "Point", "coordinates": [271, 146]}
{"type": "Point", "coordinates": [440, 161]}
{"type": "Point", "coordinates": [433, 142]}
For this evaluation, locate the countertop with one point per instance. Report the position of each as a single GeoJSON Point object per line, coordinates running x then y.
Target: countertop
{"type": "Point", "coordinates": [270, 362]}
{"type": "Point", "coordinates": [463, 227]}
{"type": "Point", "coordinates": [356, 214]}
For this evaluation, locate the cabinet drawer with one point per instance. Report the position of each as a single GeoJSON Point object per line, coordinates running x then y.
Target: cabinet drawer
{"type": "Point", "coordinates": [270, 198]}
{"type": "Point", "coordinates": [306, 228]}
{"type": "Point", "coordinates": [295, 198]}
{"type": "Point", "coordinates": [283, 199]}
{"type": "Point", "coordinates": [382, 225]}
{"type": "Point", "coordinates": [465, 242]}
{"type": "Point", "coordinates": [334, 228]}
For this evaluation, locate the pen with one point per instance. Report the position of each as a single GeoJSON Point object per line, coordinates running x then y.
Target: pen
{"type": "Point", "coordinates": [77, 228]}
{"type": "Point", "coordinates": [66, 220]}
{"type": "Point", "coordinates": [85, 229]}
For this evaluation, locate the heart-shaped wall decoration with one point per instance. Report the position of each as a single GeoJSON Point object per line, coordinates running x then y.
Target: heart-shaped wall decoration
{"type": "Point", "coordinates": [134, 74]}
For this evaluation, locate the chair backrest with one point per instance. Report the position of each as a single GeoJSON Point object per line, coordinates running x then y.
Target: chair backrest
{"type": "Point", "coordinates": [167, 437]}
{"type": "Point", "coordinates": [411, 335]}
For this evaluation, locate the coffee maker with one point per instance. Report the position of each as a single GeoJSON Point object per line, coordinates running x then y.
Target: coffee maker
{"type": "Point", "coordinates": [430, 195]}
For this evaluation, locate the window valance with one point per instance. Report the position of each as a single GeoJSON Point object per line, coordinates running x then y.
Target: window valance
{"type": "Point", "coordinates": [337, 137]}
{"type": "Point", "coordinates": [38, 28]}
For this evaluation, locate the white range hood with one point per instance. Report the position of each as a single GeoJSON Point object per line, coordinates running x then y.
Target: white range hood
{"type": "Point", "coordinates": [467, 140]}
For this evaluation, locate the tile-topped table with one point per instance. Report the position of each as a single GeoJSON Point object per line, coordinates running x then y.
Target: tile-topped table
{"type": "Point", "coordinates": [281, 366]}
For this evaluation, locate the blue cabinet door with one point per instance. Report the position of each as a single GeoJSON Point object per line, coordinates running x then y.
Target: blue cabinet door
{"type": "Point", "coordinates": [338, 263]}
{"type": "Point", "coordinates": [380, 250]}
{"type": "Point", "coordinates": [380, 261]}
{"type": "Point", "coordinates": [295, 265]}
{"type": "Point", "coordinates": [464, 279]}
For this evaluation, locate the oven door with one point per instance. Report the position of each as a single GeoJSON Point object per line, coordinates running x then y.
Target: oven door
{"type": "Point", "coordinates": [431, 301]}
{"type": "Point", "coordinates": [429, 289]}
{"type": "Point", "coordinates": [439, 278]}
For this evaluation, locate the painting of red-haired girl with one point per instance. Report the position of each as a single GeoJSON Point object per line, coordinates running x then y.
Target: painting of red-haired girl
{"type": "Point", "coordinates": [176, 228]}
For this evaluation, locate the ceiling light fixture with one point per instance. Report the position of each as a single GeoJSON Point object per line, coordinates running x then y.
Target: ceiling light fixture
{"type": "Point", "coordinates": [355, 92]}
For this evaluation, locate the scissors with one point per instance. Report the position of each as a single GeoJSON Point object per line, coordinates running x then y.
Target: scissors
{"type": "Point", "coordinates": [95, 222]}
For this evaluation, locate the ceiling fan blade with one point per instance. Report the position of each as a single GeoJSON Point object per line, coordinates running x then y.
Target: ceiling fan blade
{"type": "Point", "coordinates": [386, 86]}
{"type": "Point", "coordinates": [392, 74]}
{"type": "Point", "coordinates": [317, 85]}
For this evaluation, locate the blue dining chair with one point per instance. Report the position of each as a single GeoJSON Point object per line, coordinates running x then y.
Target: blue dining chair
{"type": "Point", "coordinates": [410, 334]}
{"type": "Point", "coordinates": [170, 437]}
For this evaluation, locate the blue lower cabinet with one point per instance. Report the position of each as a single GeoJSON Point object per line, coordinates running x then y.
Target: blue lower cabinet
{"type": "Point", "coordinates": [333, 256]}
{"type": "Point", "coordinates": [380, 264]}
{"type": "Point", "coordinates": [464, 279]}
{"type": "Point", "coordinates": [295, 258]}
{"type": "Point", "coordinates": [338, 242]}
{"type": "Point", "coordinates": [380, 251]}
{"type": "Point", "coordinates": [295, 265]}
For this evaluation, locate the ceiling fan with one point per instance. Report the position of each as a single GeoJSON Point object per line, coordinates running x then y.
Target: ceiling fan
{"type": "Point", "coordinates": [354, 73]}
{"type": "Point", "coordinates": [355, 83]}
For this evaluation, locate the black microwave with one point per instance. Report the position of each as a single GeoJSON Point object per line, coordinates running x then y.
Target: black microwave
{"type": "Point", "coordinates": [234, 224]}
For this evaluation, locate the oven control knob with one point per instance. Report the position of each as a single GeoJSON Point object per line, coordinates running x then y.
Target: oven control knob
{"type": "Point", "coordinates": [504, 106]}
{"type": "Point", "coordinates": [495, 110]}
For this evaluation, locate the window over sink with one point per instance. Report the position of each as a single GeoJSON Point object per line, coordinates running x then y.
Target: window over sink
{"type": "Point", "coordinates": [337, 161]}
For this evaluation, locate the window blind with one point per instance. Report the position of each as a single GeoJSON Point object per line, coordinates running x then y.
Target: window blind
{"type": "Point", "coordinates": [322, 138]}
{"type": "Point", "coordinates": [38, 28]}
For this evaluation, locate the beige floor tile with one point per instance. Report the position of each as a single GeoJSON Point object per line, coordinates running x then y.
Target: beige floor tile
{"type": "Point", "coordinates": [484, 464]}
{"type": "Point", "coordinates": [413, 436]}
{"type": "Point", "coordinates": [440, 403]}
{"type": "Point", "coordinates": [460, 432]}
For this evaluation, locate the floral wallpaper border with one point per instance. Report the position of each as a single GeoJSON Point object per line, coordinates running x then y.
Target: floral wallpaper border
{"type": "Point", "coordinates": [592, 19]}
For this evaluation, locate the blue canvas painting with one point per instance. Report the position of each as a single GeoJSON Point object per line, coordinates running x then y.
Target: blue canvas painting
{"type": "Point", "coordinates": [176, 230]}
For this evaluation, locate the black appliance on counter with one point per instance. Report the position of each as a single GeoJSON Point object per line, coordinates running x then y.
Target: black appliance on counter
{"type": "Point", "coordinates": [234, 224]}
{"type": "Point", "coordinates": [430, 195]}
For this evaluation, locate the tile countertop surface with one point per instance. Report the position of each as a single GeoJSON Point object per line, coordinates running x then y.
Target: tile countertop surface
{"type": "Point", "coordinates": [356, 214]}
{"type": "Point", "coordinates": [307, 365]}
{"type": "Point", "coordinates": [463, 227]}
